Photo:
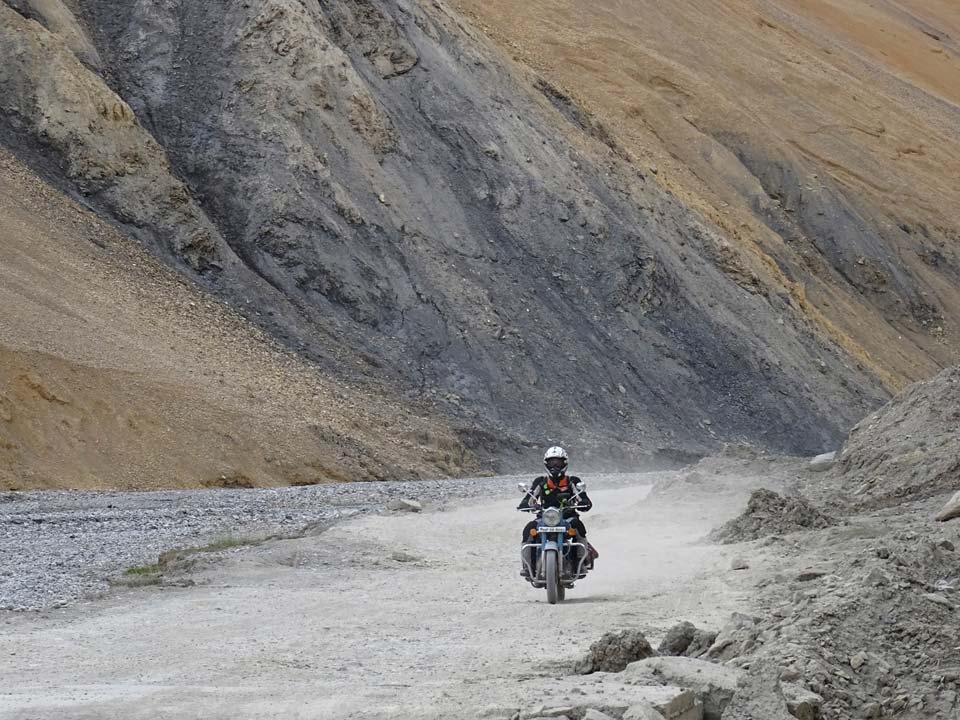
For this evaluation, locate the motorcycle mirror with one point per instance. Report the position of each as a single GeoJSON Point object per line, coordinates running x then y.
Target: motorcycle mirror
{"type": "Point", "coordinates": [522, 486]}
{"type": "Point", "coordinates": [582, 485]}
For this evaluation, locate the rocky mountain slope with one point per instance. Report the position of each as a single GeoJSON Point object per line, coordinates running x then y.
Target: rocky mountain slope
{"type": "Point", "coordinates": [909, 449]}
{"type": "Point", "coordinates": [389, 194]}
{"type": "Point", "coordinates": [115, 373]}
{"type": "Point", "coordinates": [819, 135]}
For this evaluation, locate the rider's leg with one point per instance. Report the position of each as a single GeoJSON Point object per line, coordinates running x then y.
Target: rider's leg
{"type": "Point", "coordinates": [577, 524]}
{"type": "Point", "coordinates": [530, 557]}
{"type": "Point", "coordinates": [526, 531]}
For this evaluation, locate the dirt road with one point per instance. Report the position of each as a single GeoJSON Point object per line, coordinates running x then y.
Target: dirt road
{"type": "Point", "coordinates": [413, 616]}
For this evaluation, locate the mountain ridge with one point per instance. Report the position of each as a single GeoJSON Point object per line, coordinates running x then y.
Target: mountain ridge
{"type": "Point", "coordinates": [385, 192]}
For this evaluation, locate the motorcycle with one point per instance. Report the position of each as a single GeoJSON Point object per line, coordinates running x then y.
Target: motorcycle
{"type": "Point", "coordinates": [555, 556]}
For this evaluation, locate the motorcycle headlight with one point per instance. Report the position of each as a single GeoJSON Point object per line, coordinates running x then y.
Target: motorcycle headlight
{"type": "Point", "coordinates": [552, 517]}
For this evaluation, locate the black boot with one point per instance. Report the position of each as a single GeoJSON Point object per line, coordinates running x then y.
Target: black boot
{"type": "Point", "coordinates": [592, 555]}
{"type": "Point", "coordinates": [524, 572]}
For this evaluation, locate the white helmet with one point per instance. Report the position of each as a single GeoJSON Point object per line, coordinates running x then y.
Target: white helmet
{"type": "Point", "coordinates": [558, 467]}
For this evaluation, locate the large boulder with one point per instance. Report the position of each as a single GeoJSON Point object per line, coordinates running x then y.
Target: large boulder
{"type": "Point", "coordinates": [614, 652]}
{"type": "Point", "coordinates": [686, 639]}
{"type": "Point", "coordinates": [677, 639]}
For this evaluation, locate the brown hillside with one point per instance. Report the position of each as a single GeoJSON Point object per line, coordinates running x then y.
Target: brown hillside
{"type": "Point", "coordinates": [114, 373]}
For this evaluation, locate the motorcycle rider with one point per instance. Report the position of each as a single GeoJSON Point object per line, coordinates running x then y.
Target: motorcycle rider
{"type": "Point", "coordinates": [556, 490]}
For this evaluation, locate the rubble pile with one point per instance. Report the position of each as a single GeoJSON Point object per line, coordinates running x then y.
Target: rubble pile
{"type": "Point", "coordinates": [875, 634]}
{"type": "Point", "coordinates": [908, 449]}
{"type": "Point", "coordinates": [769, 513]}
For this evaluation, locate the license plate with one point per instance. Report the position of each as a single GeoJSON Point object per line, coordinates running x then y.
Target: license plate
{"type": "Point", "coordinates": [552, 529]}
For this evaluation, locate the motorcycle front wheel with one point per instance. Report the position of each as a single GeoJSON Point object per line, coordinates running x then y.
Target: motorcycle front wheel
{"type": "Point", "coordinates": [552, 577]}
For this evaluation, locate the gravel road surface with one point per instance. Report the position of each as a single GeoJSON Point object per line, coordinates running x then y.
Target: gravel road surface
{"type": "Point", "coordinates": [419, 615]}
{"type": "Point", "coordinates": [58, 547]}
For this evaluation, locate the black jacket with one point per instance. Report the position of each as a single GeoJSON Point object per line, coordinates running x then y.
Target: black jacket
{"type": "Point", "coordinates": [555, 493]}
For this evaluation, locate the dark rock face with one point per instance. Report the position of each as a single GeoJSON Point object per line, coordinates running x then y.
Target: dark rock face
{"type": "Point", "coordinates": [837, 236]}
{"type": "Point", "coordinates": [389, 198]}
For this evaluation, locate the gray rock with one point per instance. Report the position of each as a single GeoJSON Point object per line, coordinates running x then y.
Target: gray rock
{"type": "Point", "coordinates": [951, 510]}
{"type": "Point", "coordinates": [823, 462]}
{"type": "Point", "coordinates": [403, 505]}
{"type": "Point", "coordinates": [499, 712]}
{"type": "Point", "coordinates": [557, 712]}
{"type": "Point", "coordinates": [939, 600]}
{"type": "Point", "coordinates": [594, 714]}
{"type": "Point", "coordinates": [758, 697]}
{"type": "Point", "coordinates": [715, 684]}
{"type": "Point", "coordinates": [739, 563]}
{"type": "Point", "coordinates": [677, 639]}
{"type": "Point", "coordinates": [701, 643]}
{"type": "Point", "coordinates": [56, 17]}
{"type": "Point", "coordinates": [614, 651]}
{"type": "Point", "coordinates": [539, 712]}
{"type": "Point", "coordinates": [802, 703]}
{"type": "Point", "coordinates": [110, 156]}
{"type": "Point", "coordinates": [734, 638]}
{"type": "Point", "coordinates": [642, 711]}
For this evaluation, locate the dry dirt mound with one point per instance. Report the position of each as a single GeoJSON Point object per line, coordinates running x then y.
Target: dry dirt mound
{"type": "Point", "coordinates": [769, 514]}
{"type": "Point", "coordinates": [614, 651]}
{"type": "Point", "coordinates": [910, 448]}
{"type": "Point", "coordinates": [114, 373]}
{"type": "Point", "coordinates": [871, 627]}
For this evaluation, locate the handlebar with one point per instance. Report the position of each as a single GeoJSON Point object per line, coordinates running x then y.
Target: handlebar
{"type": "Point", "coordinates": [539, 509]}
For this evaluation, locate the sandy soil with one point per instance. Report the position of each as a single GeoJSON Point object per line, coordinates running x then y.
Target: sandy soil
{"type": "Point", "coordinates": [330, 626]}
